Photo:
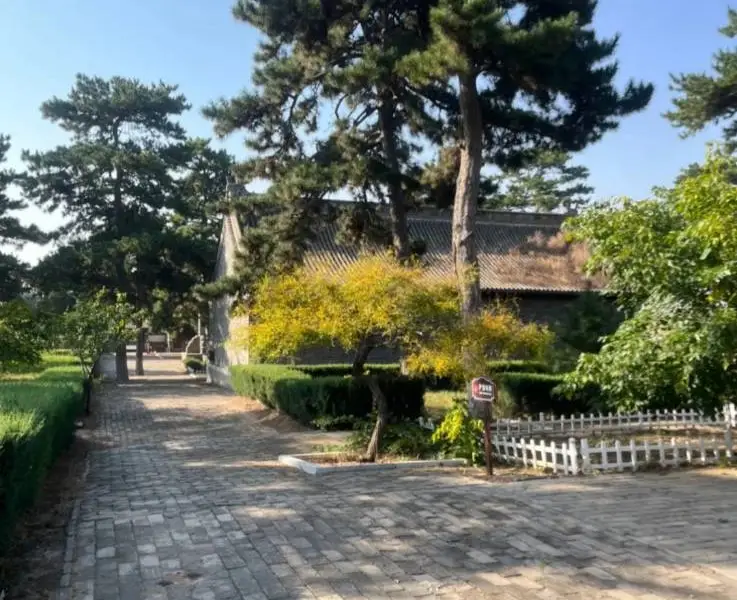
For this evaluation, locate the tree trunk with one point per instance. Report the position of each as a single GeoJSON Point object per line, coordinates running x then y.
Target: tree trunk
{"type": "Point", "coordinates": [87, 392]}
{"type": "Point", "coordinates": [359, 360]}
{"type": "Point", "coordinates": [382, 419]}
{"type": "Point", "coordinates": [397, 206]}
{"type": "Point", "coordinates": [465, 202]}
{"type": "Point", "coordinates": [121, 363]}
{"type": "Point", "coordinates": [140, 347]}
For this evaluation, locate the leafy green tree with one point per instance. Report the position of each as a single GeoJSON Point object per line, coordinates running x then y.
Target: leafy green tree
{"type": "Point", "coordinates": [703, 99]}
{"type": "Point", "coordinates": [12, 271]}
{"type": "Point", "coordinates": [89, 327]}
{"type": "Point", "coordinates": [133, 189]}
{"type": "Point", "coordinates": [20, 338]}
{"type": "Point", "coordinates": [530, 76]}
{"type": "Point", "coordinates": [671, 264]}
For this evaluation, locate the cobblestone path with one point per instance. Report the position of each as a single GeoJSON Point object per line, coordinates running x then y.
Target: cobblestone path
{"type": "Point", "coordinates": [184, 499]}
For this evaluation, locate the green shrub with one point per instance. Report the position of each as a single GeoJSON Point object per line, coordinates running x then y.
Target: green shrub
{"type": "Point", "coordinates": [407, 439]}
{"type": "Point", "coordinates": [344, 369]}
{"type": "Point", "coordinates": [459, 435]}
{"type": "Point", "coordinates": [36, 423]}
{"type": "Point", "coordinates": [194, 363]}
{"type": "Point", "coordinates": [533, 393]}
{"type": "Point", "coordinates": [307, 399]}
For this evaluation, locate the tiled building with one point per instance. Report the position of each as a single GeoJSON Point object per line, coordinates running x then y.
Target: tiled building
{"type": "Point", "coordinates": [523, 259]}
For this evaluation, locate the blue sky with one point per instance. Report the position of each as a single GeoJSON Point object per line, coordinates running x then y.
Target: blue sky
{"type": "Point", "coordinates": [198, 45]}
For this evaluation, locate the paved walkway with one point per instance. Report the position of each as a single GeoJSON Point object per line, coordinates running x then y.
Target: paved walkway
{"type": "Point", "coordinates": [184, 500]}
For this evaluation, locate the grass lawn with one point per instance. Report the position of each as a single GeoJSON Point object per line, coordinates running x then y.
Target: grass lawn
{"type": "Point", "coordinates": [437, 403]}
{"type": "Point", "coordinates": [49, 360]}
{"type": "Point", "coordinates": [38, 409]}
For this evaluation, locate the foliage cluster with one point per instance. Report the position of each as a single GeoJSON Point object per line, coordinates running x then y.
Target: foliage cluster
{"type": "Point", "coordinates": [21, 336]}
{"type": "Point", "coordinates": [37, 416]}
{"type": "Point", "coordinates": [463, 350]}
{"type": "Point", "coordinates": [671, 263]}
{"type": "Point", "coordinates": [94, 323]}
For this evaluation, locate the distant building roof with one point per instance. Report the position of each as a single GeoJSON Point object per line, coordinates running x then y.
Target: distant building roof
{"type": "Point", "coordinates": [517, 251]}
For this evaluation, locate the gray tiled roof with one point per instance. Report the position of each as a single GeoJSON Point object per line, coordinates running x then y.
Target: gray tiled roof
{"type": "Point", "coordinates": [517, 251]}
{"type": "Point", "coordinates": [514, 254]}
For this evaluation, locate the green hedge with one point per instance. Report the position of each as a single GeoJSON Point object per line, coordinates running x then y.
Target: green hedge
{"type": "Point", "coordinates": [433, 383]}
{"type": "Point", "coordinates": [495, 367]}
{"type": "Point", "coordinates": [308, 398]}
{"type": "Point", "coordinates": [37, 418]}
{"type": "Point", "coordinates": [343, 369]}
{"type": "Point", "coordinates": [533, 393]}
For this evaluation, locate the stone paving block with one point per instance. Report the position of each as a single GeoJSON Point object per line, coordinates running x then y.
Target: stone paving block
{"type": "Point", "coordinates": [184, 488]}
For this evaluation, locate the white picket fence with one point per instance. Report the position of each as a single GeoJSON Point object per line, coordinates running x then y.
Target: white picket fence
{"type": "Point", "coordinates": [560, 457]}
{"type": "Point", "coordinates": [579, 456]}
{"type": "Point", "coordinates": [601, 422]}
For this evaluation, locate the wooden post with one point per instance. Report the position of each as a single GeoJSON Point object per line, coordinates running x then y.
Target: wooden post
{"type": "Point", "coordinates": [487, 438]}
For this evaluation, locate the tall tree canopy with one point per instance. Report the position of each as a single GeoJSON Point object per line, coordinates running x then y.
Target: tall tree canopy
{"type": "Point", "coordinates": [329, 111]}
{"type": "Point", "coordinates": [546, 182]}
{"type": "Point", "coordinates": [12, 231]}
{"type": "Point", "coordinates": [125, 182]}
{"type": "Point", "coordinates": [671, 263]}
{"type": "Point", "coordinates": [531, 76]}
{"type": "Point", "coordinates": [703, 99]}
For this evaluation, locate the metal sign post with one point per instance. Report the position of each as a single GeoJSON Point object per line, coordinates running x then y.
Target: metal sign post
{"type": "Point", "coordinates": [484, 390]}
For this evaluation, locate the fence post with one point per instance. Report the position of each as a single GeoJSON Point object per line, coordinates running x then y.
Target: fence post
{"type": "Point", "coordinates": [702, 450]}
{"type": "Point", "coordinates": [604, 456]}
{"type": "Point", "coordinates": [689, 455]}
{"type": "Point", "coordinates": [573, 456]}
{"type": "Point", "coordinates": [676, 452]}
{"type": "Point", "coordinates": [728, 442]}
{"type": "Point", "coordinates": [523, 447]}
{"type": "Point", "coordinates": [585, 457]}
{"type": "Point", "coordinates": [618, 450]}
{"type": "Point", "coordinates": [633, 454]}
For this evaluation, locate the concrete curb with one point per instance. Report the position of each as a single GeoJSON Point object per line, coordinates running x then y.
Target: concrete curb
{"type": "Point", "coordinates": [302, 462]}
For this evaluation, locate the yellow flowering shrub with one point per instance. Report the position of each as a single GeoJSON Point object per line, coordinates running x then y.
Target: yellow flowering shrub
{"type": "Point", "coordinates": [462, 351]}
{"type": "Point", "coordinates": [373, 300]}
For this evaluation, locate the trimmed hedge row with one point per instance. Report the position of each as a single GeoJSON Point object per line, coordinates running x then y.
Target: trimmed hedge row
{"type": "Point", "coordinates": [495, 367]}
{"type": "Point", "coordinates": [37, 418]}
{"type": "Point", "coordinates": [307, 399]}
{"type": "Point", "coordinates": [344, 369]}
{"type": "Point", "coordinates": [533, 393]}
{"type": "Point", "coordinates": [433, 383]}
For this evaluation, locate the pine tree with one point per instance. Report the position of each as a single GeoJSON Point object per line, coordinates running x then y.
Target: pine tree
{"type": "Point", "coordinates": [333, 64]}
{"type": "Point", "coordinates": [548, 183]}
{"type": "Point", "coordinates": [119, 184]}
{"type": "Point", "coordinates": [704, 99]}
{"type": "Point", "coordinates": [531, 75]}
{"type": "Point", "coordinates": [13, 272]}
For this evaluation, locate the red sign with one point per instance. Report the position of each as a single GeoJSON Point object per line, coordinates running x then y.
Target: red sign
{"type": "Point", "coordinates": [483, 389]}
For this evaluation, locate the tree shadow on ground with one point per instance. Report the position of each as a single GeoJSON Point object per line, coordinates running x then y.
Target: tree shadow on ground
{"type": "Point", "coordinates": [179, 470]}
